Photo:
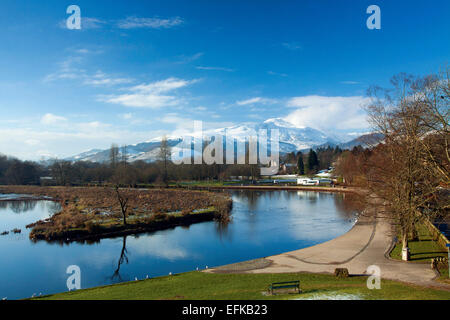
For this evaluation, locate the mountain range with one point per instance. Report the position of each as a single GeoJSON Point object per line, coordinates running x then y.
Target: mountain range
{"type": "Point", "coordinates": [291, 139]}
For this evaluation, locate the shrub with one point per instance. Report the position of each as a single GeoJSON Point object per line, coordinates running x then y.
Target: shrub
{"type": "Point", "coordinates": [341, 272]}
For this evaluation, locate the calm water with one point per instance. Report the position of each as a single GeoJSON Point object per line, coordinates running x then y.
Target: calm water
{"type": "Point", "coordinates": [264, 223]}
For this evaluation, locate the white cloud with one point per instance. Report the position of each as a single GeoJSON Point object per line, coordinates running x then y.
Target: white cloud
{"type": "Point", "coordinates": [162, 86]}
{"type": "Point", "coordinates": [50, 119]}
{"type": "Point", "coordinates": [151, 95]}
{"type": "Point", "coordinates": [255, 100]}
{"type": "Point", "coordinates": [325, 113]}
{"type": "Point", "coordinates": [153, 23]}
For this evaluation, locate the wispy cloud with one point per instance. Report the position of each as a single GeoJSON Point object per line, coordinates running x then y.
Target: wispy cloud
{"type": "Point", "coordinates": [295, 46]}
{"type": "Point", "coordinates": [102, 79]}
{"type": "Point", "coordinates": [151, 95]}
{"type": "Point", "coordinates": [50, 119]}
{"type": "Point", "coordinates": [70, 69]}
{"type": "Point", "coordinates": [215, 68]}
{"type": "Point", "coordinates": [87, 23]}
{"type": "Point", "coordinates": [152, 23]}
{"type": "Point", "coordinates": [272, 73]}
{"type": "Point", "coordinates": [187, 59]}
{"type": "Point", "coordinates": [255, 100]}
{"type": "Point", "coordinates": [350, 82]}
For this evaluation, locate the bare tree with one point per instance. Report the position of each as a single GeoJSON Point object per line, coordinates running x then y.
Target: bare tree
{"type": "Point", "coordinates": [124, 154]}
{"type": "Point", "coordinates": [123, 201]}
{"type": "Point", "coordinates": [114, 155]}
{"type": "Point", "coordinates": [407, 169]}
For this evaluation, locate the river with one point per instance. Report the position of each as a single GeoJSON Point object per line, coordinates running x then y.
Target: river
{"type": "Point", "coordinates": [263, 223]}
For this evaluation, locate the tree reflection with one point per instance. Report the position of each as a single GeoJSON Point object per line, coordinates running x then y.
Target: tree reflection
{"type": "Point", "coordinates": [348, 204]}
{"type": "Point", "coordinates": [123, 258]}
{"type": "Point", "coordinates": [18, 206]}
{"type": "Point", "coordinates": [222, 229]}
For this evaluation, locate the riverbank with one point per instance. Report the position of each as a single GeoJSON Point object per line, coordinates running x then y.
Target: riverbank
{"type": "Point", "coordinates": [292, 188]}
{"type": "Point", "coordinates": [92, 213]}
{"type": "Point", "coordinates": [368, 243]}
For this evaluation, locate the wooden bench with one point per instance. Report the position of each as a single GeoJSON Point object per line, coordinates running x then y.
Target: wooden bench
{"type": "Point", "coordinates": [284, 285]}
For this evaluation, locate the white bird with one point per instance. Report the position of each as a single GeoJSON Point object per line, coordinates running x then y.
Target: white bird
{"type": "Point", "coordinates": [206, 267]}
{"type": "Point", "coordinates": [146, 277]}
{"type": "Point", "coordinates": [5, 298]}
{"type": "Point", "coordinates": [135, 278]}
{"type": "Point", "coordinates": [197, 268]}
{"type": "Point", "coordinates": [170, 273]}
{"type": "Point", "coordinates": [34, 295]}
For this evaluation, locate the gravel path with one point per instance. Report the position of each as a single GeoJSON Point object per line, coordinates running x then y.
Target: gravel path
{"type": "Point", "coordinates": [366, 244]}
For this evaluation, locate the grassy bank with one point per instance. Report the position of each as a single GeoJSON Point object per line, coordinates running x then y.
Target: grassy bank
{"type": "Point", "coordinates": [423, 249]}
{"type": "Point", "coordinates": [209, 286]}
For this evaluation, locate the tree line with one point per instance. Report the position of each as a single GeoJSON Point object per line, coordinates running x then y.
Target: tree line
{"type": "Point", "coordinates": [313, 161]}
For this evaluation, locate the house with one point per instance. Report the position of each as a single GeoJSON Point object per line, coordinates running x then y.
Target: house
{"type": "Point", "coordinates": [307, 182]}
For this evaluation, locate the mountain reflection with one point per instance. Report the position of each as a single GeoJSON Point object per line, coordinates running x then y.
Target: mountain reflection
{"type": "Point", "coordinates": [23, 206]}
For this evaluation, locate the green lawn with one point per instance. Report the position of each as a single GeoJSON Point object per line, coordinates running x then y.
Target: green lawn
{"type": "Point", "coordinates": [421, 250]}
{"type": "Point", "coordinates": [208, 286]}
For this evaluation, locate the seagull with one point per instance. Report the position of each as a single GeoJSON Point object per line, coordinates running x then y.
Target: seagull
{"type": "Point", "coordinates": [206, 267]}
{"type": "Point", "coordinates": [135, 278]}
{"type": "Point", "coordinates": [146, 277]}
{"type": "Point", "coordinates": [197, 268]}
{"type": "Point", "coordinates": [170, 273]}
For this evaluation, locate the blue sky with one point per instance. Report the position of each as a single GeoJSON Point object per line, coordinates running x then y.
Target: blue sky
{"type": "Point", "coordinates": [137, 70]}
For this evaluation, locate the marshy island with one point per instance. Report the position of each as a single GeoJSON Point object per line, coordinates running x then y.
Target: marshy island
{"type": "Point", "coordinates": [92, 213]}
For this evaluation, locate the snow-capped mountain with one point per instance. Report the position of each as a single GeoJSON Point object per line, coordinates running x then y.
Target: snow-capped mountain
{"type": "Point", "coordinates": [292, 138]}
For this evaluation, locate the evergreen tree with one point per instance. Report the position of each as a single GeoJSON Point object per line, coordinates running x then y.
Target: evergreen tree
{"type": "Point", "coordinates": [313, 161]}
{"type": "Point", "coordinates": [300, 164]}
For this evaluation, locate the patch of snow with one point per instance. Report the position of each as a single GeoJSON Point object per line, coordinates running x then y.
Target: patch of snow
{"type": "Point", "coordinates": [332, 296]}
